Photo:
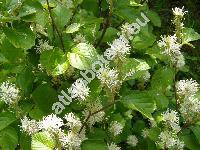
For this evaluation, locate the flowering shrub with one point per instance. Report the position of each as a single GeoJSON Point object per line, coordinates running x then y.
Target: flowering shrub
{"type": "Point", "coordinates": [126, 85]}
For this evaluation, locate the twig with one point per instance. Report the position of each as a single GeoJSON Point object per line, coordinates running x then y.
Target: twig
{"type": "Point", "coordinates": [54, 26]}
{"type": "Point", "coordinates": [107, 23]}
{"type": "Point", "coordinates": [96, 112]}
{"type": "Point", "coordinates": [100, 8]}
{"type": "Point", "coordinates": [175, 90]}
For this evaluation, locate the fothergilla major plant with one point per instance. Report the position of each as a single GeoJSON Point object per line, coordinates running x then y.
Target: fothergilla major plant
{"type": "Point", "coordinates": [97, 75]}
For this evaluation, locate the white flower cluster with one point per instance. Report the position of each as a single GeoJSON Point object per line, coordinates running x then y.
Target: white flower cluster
{"type": "Point", "coordinates": [146, 76]}
{"type": "Point", "coordinates": [170, 141]}
{"type": "Point", "coordinates": [51, 123]}
{"type": "Point", "coordinates": [145, 133]}
{"type": "Point", "coordinates": [29, 126]}
{"type": "Point", "coordinates": [95, 118]}
{"type": "Point", "coordinates": [189, 105]}
{"type": "Point", "coordinates": [171, 118]}
{"type": "Point", "coordinates": [108, 77]}
{"type": "Point", "coordinates": [128, 30]}
{"type": "Point", "coordinates": [79, 38]}
{"type": "Point", "coordinates": [116, 128]}
{"type": "Point", "coordinates": [53, 126]}
{"type": "Point", "coordinates": [186, 88]}
{"type": "Point", "coordinates": [79, 89]}
{"type": "Point", "coordinates": [179, 11]}
{"type": "Point", "coordinates": [9, 93]}
{"type": "Point", "coordinates": [118, 49]}
{"type": "Point", "coordinates": [113, 146]}
{"type": "Point", "coordinates": [73, 122]}
{"type": "Point", "coordinates": [172, 49]}
{"type": "Point", "coordinates": [43, 45]}
{"type": "Point", "coordinates": [73, 139]}
{"type": "Point", "coordinates": [132, 140]}
{"type": "Point", "coordinates": [190, 109]}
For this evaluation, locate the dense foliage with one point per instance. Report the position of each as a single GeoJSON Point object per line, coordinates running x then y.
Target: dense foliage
{"type": "Point", "coordinates": [97, 74]}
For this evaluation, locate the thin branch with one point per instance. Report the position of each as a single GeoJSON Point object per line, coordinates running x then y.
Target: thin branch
{"type": "Point", "coordinates": [100, 8]}
{"type": "Point", "coordinates": [54, 26]}
{"type": "Point", "coordinates": [107, 23]}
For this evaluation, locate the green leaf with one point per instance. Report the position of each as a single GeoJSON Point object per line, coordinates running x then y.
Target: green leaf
{"type": "Point", "coordinates": [189, 35]}
{"type": "Point", "coordinates": [29, 7]}
{"type": "Point", "coordinates": [154, 134]}
{"type": "Point", "coordinates": [141, 101]}
{"type": "Point", "coordinates": [44, 97]}
{"type": "Point", "coordinates": [73, 28]}
{"type": "Point", "coordinates": [10, 53]}
{"type": "Point", "coordinates": [110, 35]}
{"type": "Point", "coordinates": [154, 17]}
{"type": "Point", "coordinates": [82, 56]}
{"type": "Point", "coordinates": [62, 15]}
{"type": "Point", "coordinates": [25, 80]}
{"type": "Point", "coordinates": [196, 131]}
{"type": "Point", "coordinates": [54, 61]}
{"type": "Point", "coordinates": [25, 141]}
{"type": "Point", "coordinates": [97, 134]}
{"type": "Point", "coordinates": [162, 78]}
{"type": "Point", "coordinates": [6, 118]}
{"type": "Point", "coordinates": [132, 64]}
{"type": "Point", "coordinates": [162, 101]}
{"type": "Point", "coordinates": [8, 139]}
{"type": "Point", "coordinates": [144, 39]}
{"type": "Point", "coordinates": [21, 37]}
{"type": "Point", "coordinates": [190, 141]}
{"type": "Point", "coordinates": [94, 145]}
{"type": "Point", "coordinates": [42, 141]}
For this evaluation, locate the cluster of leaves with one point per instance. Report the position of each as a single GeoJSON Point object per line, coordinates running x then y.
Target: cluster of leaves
{"type": "Point", "coordinates": [23, 24]}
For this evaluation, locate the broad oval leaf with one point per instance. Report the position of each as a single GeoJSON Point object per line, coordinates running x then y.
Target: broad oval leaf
{"type": "Point", "coordinates": [141, 101]}
{"type": "Point", "coordinates": [42, 141]}
{"type": "Point", "coordinates": [8, 139]}
{"type": "Point", "coordinates": [82, 56]}
{"type": "Point", "coordinates": [54, 61]}
{"type": "Point", "coordinates": [6, 118]}
{"type": "Point", "coordinates": [21, 37]}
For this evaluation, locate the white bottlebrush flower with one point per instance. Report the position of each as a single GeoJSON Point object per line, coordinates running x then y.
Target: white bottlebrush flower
{"type": "Point", "coordinates": [9, 93]}
{"type": "Point", "coordinates": [145, 133]}
{"type": "Point", "coordinates": [113, 146]}
{"type": "Point", "coordinates": [179, 11]}
{"type": "Point", "coordinates": [172, 50]}
{"type": "Point", "coordinates": [187, 87]}
{"type": "Point", "coordinates": [116, 128]}
{"type": "Point", "coordinates": [127, 30]}
{"type": "Point", "coordinates": [170, 141]}
{"type": "Point", "coordinates": [51, 123]}
{"type": "Point", "coordinates": [171, 118]}
{"type": "Point", "coordinates": [79, 38]}
{"type": "Point", "coordinates": [29, 126]}
{"type": "Point", "coordinates": [72, 140]}
{"type": "Point", "coordinates": [179, 61]}
{"type": "Point", "coordinates": [170, 44]}
{"type": "Point", "coordinates": [109, 77]}
{"type": "Point", "coordinates": [93, 107]}
{"type": "Point", "coordinates": [190, 108]}
{"type": "Point", "coordinates": [73, 122]}
{"type": "Point", "coordinates": [146, 76]}
{"type": "Point", "coordinates": [42, 46]}
{"type": "Point", "coordinates": [79, 89]}
{"type": "Point", "coordinates": [132, 140]}
{"type": "Point", "coordinates": [118, 49]}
